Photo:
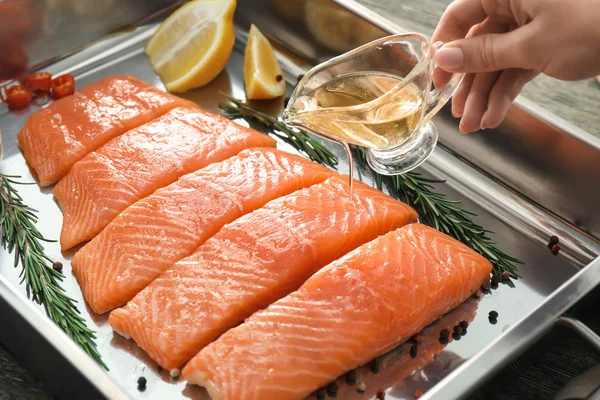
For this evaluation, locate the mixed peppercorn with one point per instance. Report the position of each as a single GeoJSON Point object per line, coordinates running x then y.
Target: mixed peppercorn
{"type": "Point", "coordinates": [141, 384]}
{"type": "Point", "coordinates": [57, 266]}
{"type": "Point", "coordinates": [553, 245]}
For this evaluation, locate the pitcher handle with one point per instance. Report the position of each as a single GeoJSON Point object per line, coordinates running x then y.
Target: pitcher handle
{"type": "Point", "coordinates": [438, 98]}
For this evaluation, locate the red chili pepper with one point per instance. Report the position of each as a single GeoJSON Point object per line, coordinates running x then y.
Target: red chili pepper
{"type": "Point", "coordinates": [18, 97]}
{"type": "Point", "coordinates": [39, 81]}
{"type": "Point", "coordinates": [63, 86]}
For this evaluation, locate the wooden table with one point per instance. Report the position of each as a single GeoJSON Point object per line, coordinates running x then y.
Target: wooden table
{"type": "Point", "coordinates": [577, 102]}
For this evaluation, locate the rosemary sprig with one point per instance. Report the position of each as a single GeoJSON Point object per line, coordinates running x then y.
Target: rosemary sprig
{"type": "Point", "coordinates": [301, 141]}
{"type": "Point", "coordinates": [19, 234]}
{"type": "Point", "coordinates": [436, 210]}
{"type": "Point", "coordinates": [444, 214]}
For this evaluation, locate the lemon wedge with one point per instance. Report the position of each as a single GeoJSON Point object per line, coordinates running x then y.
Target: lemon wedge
{"type": "Point", "coordinates": [262, 72]}
{"type": "Point", "coordinates": [192, 46]}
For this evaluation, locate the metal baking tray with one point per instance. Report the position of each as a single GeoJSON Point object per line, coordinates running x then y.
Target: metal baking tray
{"type": "Point", "coordinates": [523, 188]}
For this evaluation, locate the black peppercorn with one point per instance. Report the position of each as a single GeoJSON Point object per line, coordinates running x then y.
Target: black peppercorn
{"type": "Point", "coordinates": [464, 332]}
{"type": "Point", "coordinates": [351, 378]}
{"type": "Point", "coordinates": [443, 339]}
{"type": "Point", "coordinates": [413, 351]}
{"type": "Point", "coordinates": [321, 394]}
{"type": "Point", "coordinates": [141, 383]}
{"type": "Point", "coordinates": [553, 239]}
{"type": "Point", "coordinates": [279, 78]}
{"type": "Point", "coordinates": [456, 336]}
{"type": "Point", "coordinates": [458, 330]}
{"type": "Point", "coordinates": [444, 332]}
{"type": "Point", "coordinates": [493, 314]}
{"type": "Point", "coordinates": [375, 364]}
{"type": "Point", "coordinates": [57, 266]}
{"type": "Point", "coordinates": [463, 324]}
{"type": "Point", "coordinates": [332, 389]}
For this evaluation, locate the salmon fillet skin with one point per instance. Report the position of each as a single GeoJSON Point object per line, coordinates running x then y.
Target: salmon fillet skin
{"type": "Point", "coordinates": [135, 164]}
{"type": "Point", "coordinates": [349, 312]}
{"type": "Point", "coordinates": [251, 263]}
{"type": "Point", "coordinates": [157, 231]}
{"type": "Point", "coordinates": [55, 138]}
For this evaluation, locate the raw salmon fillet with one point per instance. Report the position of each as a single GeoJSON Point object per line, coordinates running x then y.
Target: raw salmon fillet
{"type": "Point", "coordinates": [56, 137]}
{"type": "Point", "coordinates": [356, 308]}
{"type": "Point", "coordinates": [157, 231]}
{"type": "Point", "coordinates": [252, 262]}
{"type": "Point", "coordinates": [135, 164]}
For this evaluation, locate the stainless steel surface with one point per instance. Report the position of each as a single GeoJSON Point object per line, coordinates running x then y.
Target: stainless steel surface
{"type": "Point", "coordinates": [585, 386]}
{"type": "Point", "coordinates": [521, 228]}
{"type": "Point", "coordinates": [58, 27]}
{"type": "Point", "coordinates": [559, 171]}
{"type": "Point", "coordinates": [582, 386]}
{"type": "Point", "coordinates": [518, 337]}
{"type": "Point", "coordinates": [581, 329]}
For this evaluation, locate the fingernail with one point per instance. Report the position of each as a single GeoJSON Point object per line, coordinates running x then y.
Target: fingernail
{"type": "Point", "coordinates": [483, 122]}
{"type": "Point", "coordinates": [461, 128]}
{"type": "Point", "coordinates": [450, 57]}
{"type": "Point", "coordinates": [456, 113]}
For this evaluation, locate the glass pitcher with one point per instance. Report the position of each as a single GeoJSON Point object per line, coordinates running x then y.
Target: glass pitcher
{"type": "Point", "coordinates": [378, 96]}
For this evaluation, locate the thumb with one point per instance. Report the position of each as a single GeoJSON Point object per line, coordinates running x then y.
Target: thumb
{"type": "Point", "coordinates": [486, 53]}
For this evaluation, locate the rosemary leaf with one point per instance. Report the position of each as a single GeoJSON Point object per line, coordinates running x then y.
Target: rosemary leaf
{"type": "Point", "coordinates": [435, 209]}
{"type": "Point", "coordinates": [301, 141]}
{"type": "Point", "coordinates": [43, 283]}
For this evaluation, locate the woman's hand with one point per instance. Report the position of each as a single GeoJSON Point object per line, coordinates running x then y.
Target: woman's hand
{"type": "Point", "coordinates": [503, 44]}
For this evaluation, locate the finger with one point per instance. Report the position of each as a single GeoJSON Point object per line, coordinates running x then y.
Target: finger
{"type": "Point", "coordinates": [507, 11]}
{"type": "Point", "coordinates": [460, 97]}
{"type": "Point", "coordinates": [505, 91]}
{"type": "Point", "coordinates": [458, 19]}
{"type": "Point", "coordinates": [487, 53]}
{"type": "Point", "coordinates": [477, 101]}
{"type": "Point", "coordinates": [456, 22]}
{"type": "Point", "coordinates": [441, 77]}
